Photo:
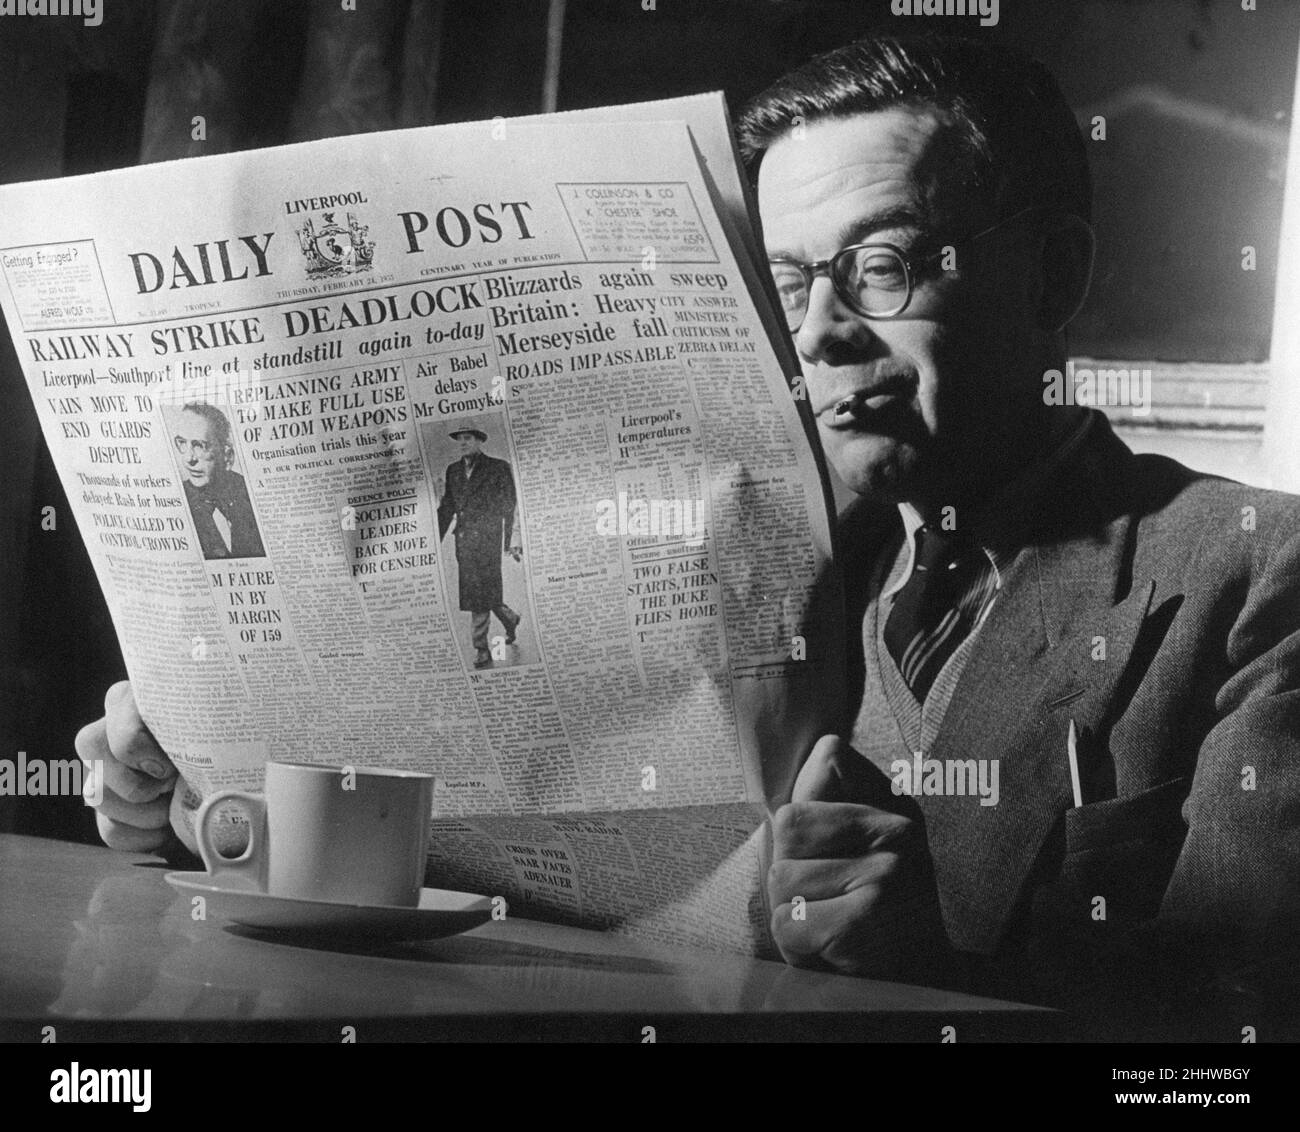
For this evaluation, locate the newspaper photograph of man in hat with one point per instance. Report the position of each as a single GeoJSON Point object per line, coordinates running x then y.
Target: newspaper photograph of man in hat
{"type": "Point", "coordinates": [478, 506]}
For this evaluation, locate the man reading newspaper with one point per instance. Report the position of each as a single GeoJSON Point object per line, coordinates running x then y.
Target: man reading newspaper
{"type": "Point", "coordinates": [1093, 647]}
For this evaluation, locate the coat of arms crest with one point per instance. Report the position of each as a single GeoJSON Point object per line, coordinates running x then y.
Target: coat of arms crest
{"type": "Point", "coordinates": [333, 249]}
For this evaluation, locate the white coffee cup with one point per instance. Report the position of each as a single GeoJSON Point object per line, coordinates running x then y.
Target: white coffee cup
{"type": "Point", "coordinates": [349, 835]}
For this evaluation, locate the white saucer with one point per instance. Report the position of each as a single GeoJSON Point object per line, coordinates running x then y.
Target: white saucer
{"type": "Point", "coordinates": [440, 911]}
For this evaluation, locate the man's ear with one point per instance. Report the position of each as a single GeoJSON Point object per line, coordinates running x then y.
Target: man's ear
{"type": "Point", "coordinates": [1069, 251]}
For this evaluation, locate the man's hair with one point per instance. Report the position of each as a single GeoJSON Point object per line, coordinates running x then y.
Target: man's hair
{"type": "Point", "coordinates": [1018, 141]}
{"type": "Point", "coordinates": [215, 417]}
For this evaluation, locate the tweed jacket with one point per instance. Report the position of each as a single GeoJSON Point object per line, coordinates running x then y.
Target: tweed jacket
{"type": "Point", "coordinates": [1159, 609]}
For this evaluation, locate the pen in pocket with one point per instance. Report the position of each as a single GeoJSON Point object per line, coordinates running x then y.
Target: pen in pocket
{"type": "Point", "coordinates": [1072, 753]}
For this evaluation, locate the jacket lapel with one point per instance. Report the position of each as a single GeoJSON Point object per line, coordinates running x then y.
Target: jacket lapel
{"type": "Point", "coordinates": [1052, 650]}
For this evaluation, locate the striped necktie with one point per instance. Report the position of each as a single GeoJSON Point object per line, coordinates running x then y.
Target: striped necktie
{"type": "Point", "coordinates": [951, 585]}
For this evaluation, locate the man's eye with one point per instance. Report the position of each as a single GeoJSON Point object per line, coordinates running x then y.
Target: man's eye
{"type": "Point", "coordinates": [883, 270]}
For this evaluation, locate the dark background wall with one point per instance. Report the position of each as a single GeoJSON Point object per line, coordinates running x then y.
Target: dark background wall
{"type": "Point", "coordinates": [1196, 95]}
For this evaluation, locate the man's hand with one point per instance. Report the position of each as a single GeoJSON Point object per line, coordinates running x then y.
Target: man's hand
{"type": "Point", "coordinates": [137, 776]}
{"type": "Point", "coordinates": [869, 904]}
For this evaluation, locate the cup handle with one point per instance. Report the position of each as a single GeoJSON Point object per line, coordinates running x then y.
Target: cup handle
{"type": "Point", "coordinates": [247, 871]}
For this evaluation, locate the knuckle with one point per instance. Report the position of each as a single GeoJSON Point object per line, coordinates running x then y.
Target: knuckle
{"type": "Point", "coordinates": [789, 935]}
{"type": "Point", "coordinates": [887, 866]}
{"type": "Point", "coordinates": [780, 877]}
{"type": "Point", "coordinates": [785, 821]}
{"type": "Point", "coordinates": [110, 832]}
{"type": "Point", "coordinates": [866, 898]}
{"type": "Point", "coordinates": [147, 840]}
{"type": "Point", "coordinates": [88, 741]}
{"type": "Point", "coordinates": [126, 731]}
{"type": "Point", "coordinates": [116, 694]}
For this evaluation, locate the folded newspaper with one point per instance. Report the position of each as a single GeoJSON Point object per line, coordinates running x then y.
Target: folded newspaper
{"type": "Point", "coordinates": [470, 450]}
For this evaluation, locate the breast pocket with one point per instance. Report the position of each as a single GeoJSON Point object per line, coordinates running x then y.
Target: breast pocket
{"type": "Point", "coordinates": [1154, 814]}
{"type": "Point", "coordinates": [1123, 851]}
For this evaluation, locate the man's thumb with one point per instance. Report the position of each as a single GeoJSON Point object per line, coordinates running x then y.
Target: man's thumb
{"type": "Point", "coordinates": [835, 772]}
{"type": "Point", "coordinates": [819, 778]}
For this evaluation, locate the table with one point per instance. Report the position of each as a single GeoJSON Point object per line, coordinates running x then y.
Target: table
{"type": "Point", "coordinates": [94, 943]}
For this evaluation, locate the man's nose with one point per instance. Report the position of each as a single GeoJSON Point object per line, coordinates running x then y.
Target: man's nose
{"type": "Point", "coordinates": [831, 332]}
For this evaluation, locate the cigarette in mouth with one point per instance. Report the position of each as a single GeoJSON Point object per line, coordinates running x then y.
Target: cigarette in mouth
{"type": "Point", "coordinates": [848, 407]}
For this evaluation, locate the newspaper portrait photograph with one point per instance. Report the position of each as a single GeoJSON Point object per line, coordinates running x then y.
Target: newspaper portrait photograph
{"type": "Point", "coordinates": [216, 494]}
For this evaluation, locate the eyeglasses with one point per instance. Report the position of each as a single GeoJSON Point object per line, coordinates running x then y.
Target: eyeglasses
{"type": "Point", "coordinates": [194, 447]}
{"type": "Point", "coordinates": [876, 280]}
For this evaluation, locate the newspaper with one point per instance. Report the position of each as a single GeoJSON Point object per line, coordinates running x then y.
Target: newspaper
{"type": "Point", "coordinates": [469, 450]}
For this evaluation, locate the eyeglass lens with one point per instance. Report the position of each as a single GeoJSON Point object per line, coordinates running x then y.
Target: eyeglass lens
{"type": "Point", "coordinates": [872, 280]}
